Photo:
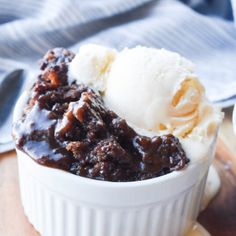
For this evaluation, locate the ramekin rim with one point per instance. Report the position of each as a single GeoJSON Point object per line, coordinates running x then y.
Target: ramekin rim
{"type": "Point", "coordinates": [104, 183]}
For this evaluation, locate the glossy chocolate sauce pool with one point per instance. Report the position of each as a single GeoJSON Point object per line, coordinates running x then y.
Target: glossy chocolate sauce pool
{"type": "Point", "coordinates": [67, 126]}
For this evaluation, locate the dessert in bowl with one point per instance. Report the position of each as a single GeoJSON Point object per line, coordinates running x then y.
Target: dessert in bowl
{"type": "Point", "coordinates": [114, 143]}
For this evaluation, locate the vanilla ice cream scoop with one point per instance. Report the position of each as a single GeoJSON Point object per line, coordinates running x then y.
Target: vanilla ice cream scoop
{"type": "Point", "coordinates": [91, 65]}
{"type": "Point", "coordinates": [153, 89]}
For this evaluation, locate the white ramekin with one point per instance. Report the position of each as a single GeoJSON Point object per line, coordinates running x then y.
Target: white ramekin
{"type": "Point", "coordinates": [58, 203]}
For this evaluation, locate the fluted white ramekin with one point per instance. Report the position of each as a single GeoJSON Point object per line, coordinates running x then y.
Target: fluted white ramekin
{"type": "Point", "coordinates": [59, 203]}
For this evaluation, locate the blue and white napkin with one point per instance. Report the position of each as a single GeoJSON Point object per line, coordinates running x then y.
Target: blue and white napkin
{"type": "Point", "coordinates": [202, 30]}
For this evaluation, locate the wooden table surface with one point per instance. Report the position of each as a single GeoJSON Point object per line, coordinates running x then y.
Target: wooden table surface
{"type": "Point", "coordinates": [219, 218]}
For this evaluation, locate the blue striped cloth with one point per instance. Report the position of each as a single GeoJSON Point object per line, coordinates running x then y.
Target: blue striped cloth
{"type": "Point", "coordinates": [201, 30]}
